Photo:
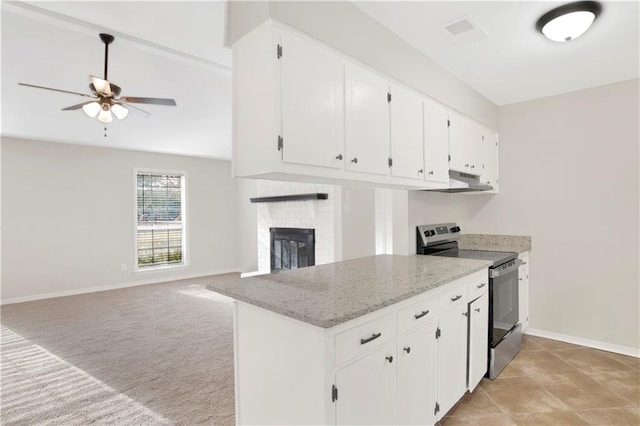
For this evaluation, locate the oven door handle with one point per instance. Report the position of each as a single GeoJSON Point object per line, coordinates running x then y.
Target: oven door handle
{"type": "Point", "coordinates": [495, 273]}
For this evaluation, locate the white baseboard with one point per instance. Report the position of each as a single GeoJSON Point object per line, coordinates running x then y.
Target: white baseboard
{"type": "Point", "coordinates": [252, 274]}
{"type": "Point", "coordinates": [156, 280]}
{"type": "Point", "coordinates": [609, 347]}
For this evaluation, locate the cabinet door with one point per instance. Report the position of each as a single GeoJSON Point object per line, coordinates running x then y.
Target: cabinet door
{"type": "Point", "coordinates": [523, 291]}
{"type": "Point", "coordinates": [490, 163]}
{"type": "Point", "coordinates": [366, 121]}
{"type": "Point", "coordinates": [478, 340]}
{"type": "Point", "coordinates": [312, 104]}
{"type": "Point", "coordinates": [460, 134]}
{"type": "Point", "coordinates": [366, 389]}
{"type": "Point", "coordinates": [436, 143]}
{"type": "Point", "coordinates": [417, 376]}
{"type": "Point", "coordinates": [406, 134]}
{"type": "Point", "coordinates": [475, 148]}
{"type": "Point", "coordinates": [452, 358]}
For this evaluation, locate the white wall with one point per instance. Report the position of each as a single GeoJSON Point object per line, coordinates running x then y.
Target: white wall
{"type": "Point", "coordinates": [569, 178]}
{"type": "Point", "coordinates": [358, 222]}
{"type": "Point", "coordinates": [246, 225]}
{"type": "Point", "coordinates": [347, 28]}
{"type": "Point", "coordinates": [68, 216]}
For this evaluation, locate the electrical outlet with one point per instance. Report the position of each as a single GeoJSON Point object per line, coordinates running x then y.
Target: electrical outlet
{"type": "Point", "coordinates": [123, 267]}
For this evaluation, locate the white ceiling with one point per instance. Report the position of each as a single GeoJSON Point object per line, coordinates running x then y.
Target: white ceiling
{"type": "Point", "coordinates": [162, 49]}
{"type": "Point", "coordinates": [516, 63]}
{"type": "Point", "coordinates": [175, 49]}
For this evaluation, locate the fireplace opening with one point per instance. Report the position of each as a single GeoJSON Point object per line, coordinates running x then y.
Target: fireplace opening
{"type": "Point", "coordinates": [292, 248]}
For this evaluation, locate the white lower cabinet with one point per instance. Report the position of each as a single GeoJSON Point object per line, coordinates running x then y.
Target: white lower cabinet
{"type": "Point", "coordinates": [478, 340]}
{"type": "Point", "coordinates": [523, 290]}
{"type": "Point", "coordinates": [366, 389]}
{"type": "Point", "coordinates": [403, 364]}
{"type": "Point", "coordinates": [417, 376]}
{"type": "Point", "coordinates": [452, 359]}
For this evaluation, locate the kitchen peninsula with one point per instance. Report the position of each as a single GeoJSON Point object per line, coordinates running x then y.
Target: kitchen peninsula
{"type": "Point", "coordinates": [379, 339]}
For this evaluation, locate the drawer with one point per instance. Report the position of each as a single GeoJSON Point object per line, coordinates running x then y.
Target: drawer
{"type": "Point", "coordinates": [417, 314]}
{"type": "Point", "coordinates": [453, 296]}
{"type": "Point", "coordinates": [363, 338]}
{"type": "Point", "coordinates": [477, 284]}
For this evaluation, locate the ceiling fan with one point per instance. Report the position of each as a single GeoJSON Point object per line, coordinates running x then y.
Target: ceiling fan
{"type": "Point", "coordinates": [105, 100]}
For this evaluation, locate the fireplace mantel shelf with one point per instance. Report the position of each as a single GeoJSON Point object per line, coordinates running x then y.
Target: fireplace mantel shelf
{"type": "Point", "coordinates": [294, 197]}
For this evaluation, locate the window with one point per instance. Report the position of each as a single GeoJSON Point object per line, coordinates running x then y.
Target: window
{"type": "Point", "coordinates": [160, 231]}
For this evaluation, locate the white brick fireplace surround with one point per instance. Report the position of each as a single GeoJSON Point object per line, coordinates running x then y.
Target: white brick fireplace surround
{"type": "Point", "coordinates": [321, 215]}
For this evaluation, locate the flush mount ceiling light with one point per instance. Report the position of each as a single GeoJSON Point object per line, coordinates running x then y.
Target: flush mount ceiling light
{"type": "Point", "coordinates": [570, 21]}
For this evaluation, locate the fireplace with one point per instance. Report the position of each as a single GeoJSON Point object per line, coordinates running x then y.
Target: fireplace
{"type": "Point", "coordinates": [292, 248]}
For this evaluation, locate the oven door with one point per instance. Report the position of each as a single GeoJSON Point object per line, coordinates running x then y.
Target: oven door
{"type": "Point", "coordinates": [503, 299]}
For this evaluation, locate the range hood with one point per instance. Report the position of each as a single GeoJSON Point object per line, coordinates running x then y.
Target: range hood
{"type": "Point", "coordinates": [464, 182]}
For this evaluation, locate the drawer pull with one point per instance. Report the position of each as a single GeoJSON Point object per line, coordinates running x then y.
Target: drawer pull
{"type": "Point", "coordinates": [407, 349]}
{"type": "Point", "coordinates": [421, 314]}
{"type": "Point", "coordinates": [390, 359]}
{"type": "Point", "coordinates": [477, 309]}
{"type": "Point", "coordinates": [481, 285]}
{"type": "Point", "coordinates": [458, 297]}
{"type": "Point", "coordinates": [370, 339]}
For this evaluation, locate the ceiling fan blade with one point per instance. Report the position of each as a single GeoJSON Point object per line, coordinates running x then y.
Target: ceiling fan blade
{"type": "Point", "coordinates": [152, 101]}
{"type": "Point", "coordinates": [78, 106]}
{"type": "Point", "coordinates": [135, 107]}
{"type": "Point", "coordinates": [103, 88]}
{"type": "Point", "coordinates": [55, 90]}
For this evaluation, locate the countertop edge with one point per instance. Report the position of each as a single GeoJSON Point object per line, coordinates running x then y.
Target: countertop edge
{"type": "Point", "coordinates": [480, 264]}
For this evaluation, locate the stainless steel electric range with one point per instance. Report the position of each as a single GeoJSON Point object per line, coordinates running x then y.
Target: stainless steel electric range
{"type": "Point", "coordinates": [504, 333]}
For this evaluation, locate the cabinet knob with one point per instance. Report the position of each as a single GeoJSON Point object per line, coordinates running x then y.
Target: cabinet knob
{"type": "Point", "coordinates": [519, 279]}
{"type": "Point", "coordinates": [466, 314]}
{"type": "Point", "coordinates": [390, 359]}
{"type": "Point", "coordinates": [354, 160]}
{"type": "Point", "coordinates": [477, 309]}
{"type": "Point", "coordinates": [466, 165]}
{"type": "Point", "coordinates": [431, 172]}
{"type": "Point", "coordinates": [488, 182]}
{"type": "Point", "coordinates": [407, 349]}
{"type": "Point", "coordinates": [421, 171]}
{"type": "Point", "coordinates": [473, 166]}
{"type": "Point", "coordinates": [339, 157]}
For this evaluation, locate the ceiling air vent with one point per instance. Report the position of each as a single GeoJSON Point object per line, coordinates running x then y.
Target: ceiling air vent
{"type": "Point", "coordinates": [464, 30]}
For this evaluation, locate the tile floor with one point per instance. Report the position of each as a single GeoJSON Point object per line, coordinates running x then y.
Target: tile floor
{"type": "Point", "coordinates": [555, 383]}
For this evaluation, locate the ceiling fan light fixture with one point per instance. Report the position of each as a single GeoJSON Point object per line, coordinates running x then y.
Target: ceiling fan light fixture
{"type": "Point", "coordinates": [569, 21]}
{"type": "Point", "coordinates": [105, 114]}
{"type": "Point", "coordinates": [91, 109]}
{"type": "Point", "coordinates": [119, 111]}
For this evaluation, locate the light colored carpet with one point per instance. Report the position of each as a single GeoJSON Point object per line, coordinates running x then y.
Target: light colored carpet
{"type": "Point", "coordinates": [154, 354]}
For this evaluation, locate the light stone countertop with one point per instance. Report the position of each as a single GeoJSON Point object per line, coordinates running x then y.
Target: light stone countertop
{"type": "Point", "coordinates": [331, 294]}
{"type": "Point", "coordinates": [515, 243]}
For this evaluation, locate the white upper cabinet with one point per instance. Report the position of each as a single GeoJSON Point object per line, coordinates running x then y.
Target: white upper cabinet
{"type": "Point", "coordinates": [465, 145]}
{"type": "Point", "coordinates": [303, 110]}
{"type": "Point", "coordinates": [490, 165]}
{"type": "Point", "coordinates": [407, 142]}
{"type": "Point", "coordinates": [312, 103]}
{"type": "Point", "coordinates": [366, 121]}
{"type": "Point", "coordinates": [436, 142]}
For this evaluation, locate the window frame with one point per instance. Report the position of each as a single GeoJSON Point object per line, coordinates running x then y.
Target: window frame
{"type": "Point", "coordinates": [185, 246]}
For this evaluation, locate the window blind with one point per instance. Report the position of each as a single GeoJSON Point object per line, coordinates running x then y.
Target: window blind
{"type": "Point", "coordinates": [160, 230]}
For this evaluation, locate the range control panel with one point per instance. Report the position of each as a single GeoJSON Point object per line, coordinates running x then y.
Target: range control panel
{"type": "Point", "coordinates": [431, 234]}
